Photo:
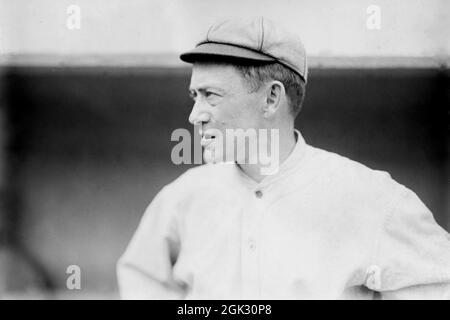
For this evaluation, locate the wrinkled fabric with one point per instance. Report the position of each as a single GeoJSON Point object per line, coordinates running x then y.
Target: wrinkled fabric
{"type": "Point", "coordinates": [323, 227]}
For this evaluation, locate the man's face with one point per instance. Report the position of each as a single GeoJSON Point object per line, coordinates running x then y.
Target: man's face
{"type": "Point", "coordinates": [222, 101]}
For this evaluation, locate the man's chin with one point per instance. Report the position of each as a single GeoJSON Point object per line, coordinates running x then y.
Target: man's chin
{"type": "Point", "coordinates": [210, 156]}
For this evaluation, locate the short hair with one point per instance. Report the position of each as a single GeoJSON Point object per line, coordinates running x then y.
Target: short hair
{"type": "Point", "coordinates": [258, 74]}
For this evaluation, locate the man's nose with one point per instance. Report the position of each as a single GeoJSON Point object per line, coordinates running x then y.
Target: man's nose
{"type": "Point", "coordinates": [199, 113]}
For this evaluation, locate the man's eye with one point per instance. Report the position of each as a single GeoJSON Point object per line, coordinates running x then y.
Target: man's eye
{"type": "Point", "coordinates": [210, 94]}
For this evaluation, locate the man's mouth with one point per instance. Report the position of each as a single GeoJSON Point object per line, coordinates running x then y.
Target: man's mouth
{"type": "Point", "coordinates": [206, 139]}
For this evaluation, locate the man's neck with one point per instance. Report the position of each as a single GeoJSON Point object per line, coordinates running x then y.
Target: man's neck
{"type": "Point", "coordinates": [286, 144]}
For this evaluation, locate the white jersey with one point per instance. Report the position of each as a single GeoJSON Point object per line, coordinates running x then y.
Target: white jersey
{"type": "Point", "coordinates": [323, 227]}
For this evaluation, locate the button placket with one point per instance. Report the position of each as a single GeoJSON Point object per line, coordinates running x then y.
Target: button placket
{"type": "Point", "coordinates": [251, 244]}
{"type": "Point", "coordinates": [250, 248]}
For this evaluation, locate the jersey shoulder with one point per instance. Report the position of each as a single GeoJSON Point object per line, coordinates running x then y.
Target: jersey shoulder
{"type": "Point", "coordinates": [351, 174]}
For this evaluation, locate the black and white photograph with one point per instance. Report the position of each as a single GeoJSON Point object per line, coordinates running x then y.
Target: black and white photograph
{"type": "Point", "coordinates": [224, 150]}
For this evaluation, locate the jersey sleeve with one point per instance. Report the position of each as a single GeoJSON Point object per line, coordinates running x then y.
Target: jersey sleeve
{"type": "Point", "coordinates": [145, 269]}
{"type": "Point", "coordinates": [413, 253]}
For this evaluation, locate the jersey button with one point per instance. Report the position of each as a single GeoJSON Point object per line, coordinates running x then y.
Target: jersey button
{"type": "Point", "coordinates": [258, 194]}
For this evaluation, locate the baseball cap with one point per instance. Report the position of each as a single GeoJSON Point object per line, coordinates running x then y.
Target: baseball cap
{"type": "Point", "coordinates": [258, 39]}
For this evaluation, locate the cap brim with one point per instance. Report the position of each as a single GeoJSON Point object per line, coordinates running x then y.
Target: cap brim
{"type": "Point", "coordinates": [218, 50]}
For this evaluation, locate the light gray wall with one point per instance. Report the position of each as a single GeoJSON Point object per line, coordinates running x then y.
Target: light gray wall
{"type": "Point", "coordinates": [328, 27]}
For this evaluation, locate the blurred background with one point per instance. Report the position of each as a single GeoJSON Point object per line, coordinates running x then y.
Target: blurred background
{"type": "Point", "coordinates": [91, 90]}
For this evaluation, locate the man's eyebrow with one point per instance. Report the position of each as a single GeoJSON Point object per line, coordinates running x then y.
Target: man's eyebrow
{"type": "Point", "coordinates": [206, 88]}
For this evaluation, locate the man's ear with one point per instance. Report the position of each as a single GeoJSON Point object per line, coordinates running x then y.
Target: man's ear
{"type": "Point", "coordinates": [275, 93]}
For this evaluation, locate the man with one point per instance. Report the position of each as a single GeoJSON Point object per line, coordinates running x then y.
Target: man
{"type": "Point", "coordinates": [319, 226]}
